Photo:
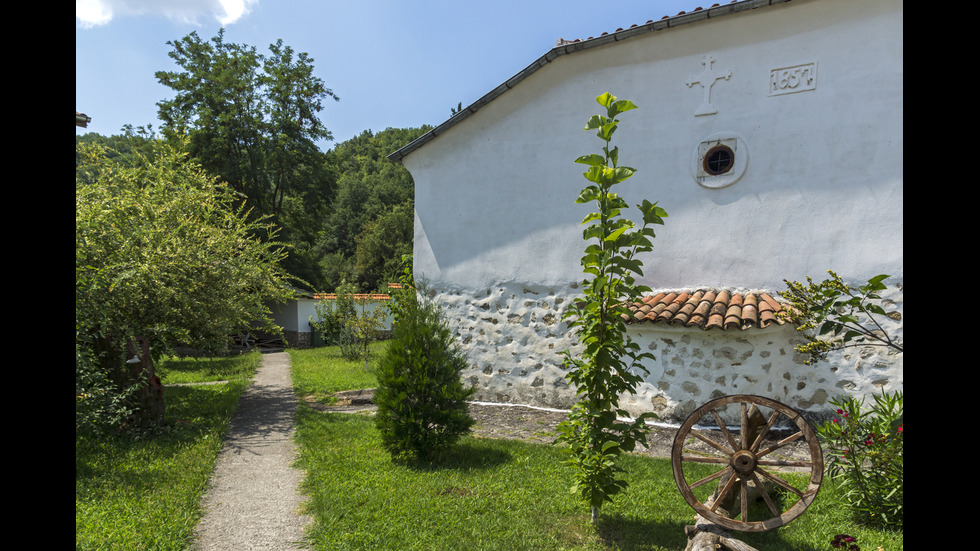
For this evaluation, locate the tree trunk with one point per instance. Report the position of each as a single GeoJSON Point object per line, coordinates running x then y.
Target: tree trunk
{"type": "Point", "coordinates": [135, 368]}
{"type": "Point", "coordinates": [708, 536]}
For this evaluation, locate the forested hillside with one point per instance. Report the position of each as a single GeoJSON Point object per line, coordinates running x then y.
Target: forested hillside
{"type": "Point", "coordinates": [355, 229]}
{"type": "Point", "coordinates": [371, 221]}
{"type": "Point", "coordinates": [251, 120]}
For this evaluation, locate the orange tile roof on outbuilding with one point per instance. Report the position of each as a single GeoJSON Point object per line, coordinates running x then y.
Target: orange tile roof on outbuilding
{"type": "Point", "coordinates": [708, 309]}
{"type": "Point", "coordinates": [355, 296]}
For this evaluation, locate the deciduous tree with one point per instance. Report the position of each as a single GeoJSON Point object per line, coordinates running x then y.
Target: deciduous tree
{"type": "Point", "coordinates": [253, 121]}
{"type": "Point", "coordinates": [164, 255]}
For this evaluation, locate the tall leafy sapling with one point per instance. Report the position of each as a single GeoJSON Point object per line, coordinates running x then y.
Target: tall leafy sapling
{"type": "Point", "coordinates": [610, 363]}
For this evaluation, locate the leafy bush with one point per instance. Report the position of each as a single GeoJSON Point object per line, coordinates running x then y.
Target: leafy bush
{"type": "Point", "coordinates": [865, 451]}
{"type": "Point", "coordinates": [844, 316]}
{"type": "Point", "coordinates": [363, 329]}
{"type": "Point", "coordinates": [421, 398]}
{"type": "Point", "coordinates": [332, 315]}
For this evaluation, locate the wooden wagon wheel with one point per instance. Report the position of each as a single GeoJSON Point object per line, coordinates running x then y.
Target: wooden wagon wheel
{"type": "Point", "coordinates": [746, 464]}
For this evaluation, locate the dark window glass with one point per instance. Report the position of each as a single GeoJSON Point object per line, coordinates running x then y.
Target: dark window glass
{"type": "Point", "coordinates": [719, 160]}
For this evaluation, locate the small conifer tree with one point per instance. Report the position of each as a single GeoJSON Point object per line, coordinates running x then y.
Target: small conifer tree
{"type": "Point", "coordinates": [421, 398]}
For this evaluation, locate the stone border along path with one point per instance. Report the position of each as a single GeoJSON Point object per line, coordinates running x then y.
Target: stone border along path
{"type": "Point", "coordinates": [253, 499]}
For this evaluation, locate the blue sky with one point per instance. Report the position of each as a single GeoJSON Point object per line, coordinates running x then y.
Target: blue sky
{"type": "Point", "coordinates": [392, 63]}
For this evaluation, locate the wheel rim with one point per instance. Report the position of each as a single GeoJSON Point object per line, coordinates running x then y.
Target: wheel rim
{"type": "Point", "coordinates": [748, 461]}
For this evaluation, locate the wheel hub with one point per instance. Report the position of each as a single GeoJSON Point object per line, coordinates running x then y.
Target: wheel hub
{"type": "Point", "coordinates": [743, 462]}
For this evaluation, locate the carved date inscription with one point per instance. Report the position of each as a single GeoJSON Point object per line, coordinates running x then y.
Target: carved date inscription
{"type": "Point", "coordinates": [788, 80]}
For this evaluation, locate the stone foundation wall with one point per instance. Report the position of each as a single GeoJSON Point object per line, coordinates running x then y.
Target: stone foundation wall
{"type": "Point", "coordinates": [298, 339]}
{"type": "Point", "coordinates": [513, 337]}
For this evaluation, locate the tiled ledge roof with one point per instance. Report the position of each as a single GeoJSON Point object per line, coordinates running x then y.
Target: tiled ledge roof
{"type": "Point", "coordinates": [708, 309]}
{"type": "Point", "coordinates": [360, 296]}
{"type": "Point", "coordinates": [355, 296]}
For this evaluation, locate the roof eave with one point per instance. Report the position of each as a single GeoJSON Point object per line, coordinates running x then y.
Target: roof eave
{"type": "Point", "coordinates": [565, 48]}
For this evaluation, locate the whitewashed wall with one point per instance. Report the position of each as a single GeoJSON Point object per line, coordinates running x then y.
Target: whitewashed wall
{"type": "Point", "coordinates": [497, 231]}
{"type": "Point", "coordinates": [294, 317]}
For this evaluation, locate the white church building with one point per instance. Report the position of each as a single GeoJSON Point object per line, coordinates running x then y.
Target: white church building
{"type": "Point", "coordinates": [772, 134]}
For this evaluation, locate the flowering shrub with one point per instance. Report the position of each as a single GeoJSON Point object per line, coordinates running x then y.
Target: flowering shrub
{"type": "Point", "coordinates": [843, 541]}
{"type": "Point", "coordinates": [866, 454]}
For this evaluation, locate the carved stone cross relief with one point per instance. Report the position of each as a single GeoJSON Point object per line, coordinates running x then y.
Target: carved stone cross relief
{"type": "Point", "coordinates": [707, 79]}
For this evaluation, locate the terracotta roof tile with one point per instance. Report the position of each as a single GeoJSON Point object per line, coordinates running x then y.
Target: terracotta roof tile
{"type": "Point", "coordinates": [355, 296]}
{"type": "Point", "coordinates": [708, 309]}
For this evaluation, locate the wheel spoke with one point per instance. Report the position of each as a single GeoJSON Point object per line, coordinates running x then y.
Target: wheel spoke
{"type": "Point", "coordinates": [709, 478]}
{"type": "Point", "coordinates": [724, 430]}
{"type": "Point", "coordinates": [785, 463]}
{"type": "Point", "coordinates": [765, 495]}
{"type": "Point", "coordinates": [780, 482]}
{"type": "Point", "coordinates": [720, 497]}
{"type": "Point", "coordinates": [765, 431]}
{"type": "Point", "coordinates": [789, 439]}
{"type": "Point", "coordinates": [745, 499]}
{"type": "Point", "coordinates": [744, 432]}
{"type": "Point", "coordinates": [704, 438]}
{"type": "Point", "coordinates": [703, 459]}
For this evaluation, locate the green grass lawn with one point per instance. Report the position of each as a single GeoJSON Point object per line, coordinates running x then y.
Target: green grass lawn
{"type": "Point", "coordinates": [319, 372]}
{"type": "Point", "coordinates": [498, 494]}
{"type": "Point", "coordinates": [144, 493]}
{"type": "Point", "coordinates": [136, 493]}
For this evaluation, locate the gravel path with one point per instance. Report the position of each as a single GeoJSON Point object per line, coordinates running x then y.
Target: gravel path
{"type": "Point", "coordinates": [253, 500]}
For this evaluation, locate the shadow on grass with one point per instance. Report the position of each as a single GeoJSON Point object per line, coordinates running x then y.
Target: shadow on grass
{"type": "Point", "coordinates": [463, 456]}
{"type": "Point", "coordinates": [205, 369]}
{"type": "Point", "coordinates": [635, 534]}
{"type": "Point", "coordinates": [619, 532]}
{"type": "Point", "coordinates": [193, 415]}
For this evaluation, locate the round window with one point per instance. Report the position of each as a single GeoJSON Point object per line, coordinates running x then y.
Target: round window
{"type": "Point", "coordinates": [719, 160]}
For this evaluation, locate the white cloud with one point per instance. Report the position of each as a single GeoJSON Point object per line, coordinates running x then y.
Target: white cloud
{"type": "Point", "coordinates": [91, 13]}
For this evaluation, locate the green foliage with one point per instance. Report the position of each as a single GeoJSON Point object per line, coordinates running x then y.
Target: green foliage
{"type": "Point", "coordinates": [252, 120]}
{"type": "Point", "coordinates": [366, 328]}
{"type": "Point", "coordinates": [332, 315]}
{"type": "Point", "coordinates": [865, 450]}
{"type": "Point", "coordinates": [163, 252]}
{"type": "Point", "coordinates": [422, 409]}
{"type": "Point", "coordinates": [610, 362]}
{"type": "Point", "coordinates": [845, 316]}
{"type": "Point", "coordinates": [341, 324]}
{"type": "Point", "coordinates": [381, 244]}
{"type": "Point", "coordinates": [372, 220]}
